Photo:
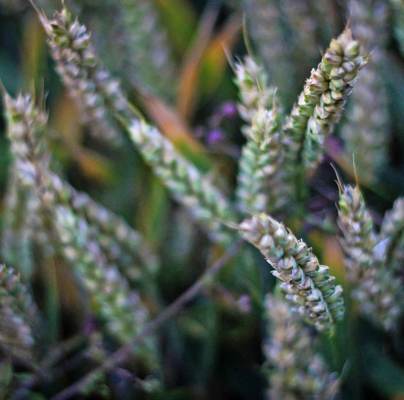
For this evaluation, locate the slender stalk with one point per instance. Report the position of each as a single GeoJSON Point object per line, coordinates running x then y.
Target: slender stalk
{"type": "Point", "coordinates": [169, 312]}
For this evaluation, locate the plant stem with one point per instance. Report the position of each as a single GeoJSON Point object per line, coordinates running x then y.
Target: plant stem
{"type": "Point", "coordinates": [171, 311]}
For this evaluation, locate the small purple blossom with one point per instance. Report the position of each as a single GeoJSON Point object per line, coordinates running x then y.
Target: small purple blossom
{"type": "Point", "coordinates": [228, 110]}
{"type": "Point", "coordinates": [214, 136]}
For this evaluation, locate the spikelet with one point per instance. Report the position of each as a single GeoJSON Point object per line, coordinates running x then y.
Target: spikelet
{"type": "Point", "coordinates": [151, 61]}
{"type": "Point", "coordinates": [367, 127]}
{"type": "Point", "coordinates": [19, 316]}
{"type": "Point", "coordinates": [188, 186]}
{"type": "Point", "coordinates": [295, 370]}
{"type": "Point", "coordinates": [120, 243]}
{"type": "Point", "coordinates": [26, 128]}
{"type": "Point", "coordinates": [373, 284]}
{"type": "Point", "coordinates": [252, 84]}
{"type": "Point", "coordinates": [321, 102]}
{"type": "Point", "coordinates": [392, 231]}
{"type": "Point", "coordinates": [86, 63]}
{"type": "Point", "coordinates": [259, 185]}
{"type": "Point", "coordinates": [359, 238]}
{"type": "Point", "coordinates": [264, 19]}
{"type": "Point", "coordinates": [398, 8]}
{"type": "Point", "coordinates": [111, 298]}
{"type": "Point", "coordinates": [305, 282]}
{"type": "Point", "coordinates": [261, 182]}
{"type": "Point", "coordinates": [88, 83]}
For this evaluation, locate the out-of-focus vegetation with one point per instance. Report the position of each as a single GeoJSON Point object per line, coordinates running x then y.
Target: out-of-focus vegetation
{"type": "Point", "coordinates": [152, 146]}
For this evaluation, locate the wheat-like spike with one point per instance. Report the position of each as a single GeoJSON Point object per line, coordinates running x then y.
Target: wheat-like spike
{"type": "Point", "coordinates": [305, 282]}
{"type": "Point", "coordinates": [359, 238]}
{"type": "Point", "coordinates": [259, 185]}
{"type": "Point", "coordinates": [261, 182]}
{"type": "Point", "coordinates": [398, 15]}
{"type": "Point", "coordinates": [294, 370]}
{"type": "Point", "coordinates": [254, 91]}
{"type": "Point", "coordinates": [19, 317]}
{"type": "Point", "coordinates": [86, 63]}
{"type": "Point", "coordinates": [321, 102]}
{"type": "Point", "coordinates": [120, 243]}
{"type": "Point", "coordinates": [366, 129]}
{"type": "Point", "coordinates": [189, 187]}
{"type": "Point", "coordinates": [89, 84]}
{"type": "Point", "coordinates": [25, 130]}
{"type": "Point", "coordinates": [264, 20]}
{"type": "Point", "coordinates": [373, 283]}
{"type": "Point", "coordinates": [150, 61]}
{"type": "Point", "coordinates": [111, 298]}
{"type": "Point", "coordinates": [182, 178]}
{"type": "Point", "coordinates": [392, 230]}
{"type": "Point", "coordinates": [75, 238]}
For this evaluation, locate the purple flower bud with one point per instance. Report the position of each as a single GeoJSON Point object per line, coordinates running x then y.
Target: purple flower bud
{"type": "Point", "coordinates": [228, 110]}
{"type": "Point", "coordinates": [215, 136]}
